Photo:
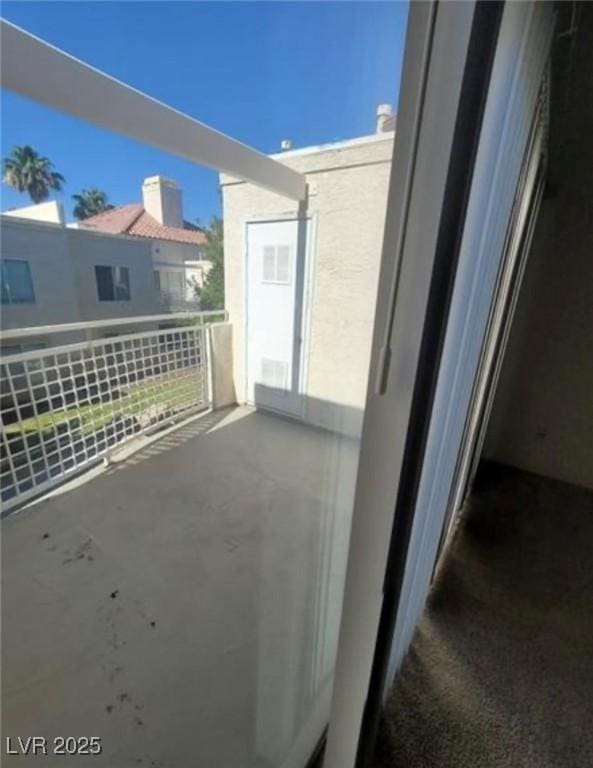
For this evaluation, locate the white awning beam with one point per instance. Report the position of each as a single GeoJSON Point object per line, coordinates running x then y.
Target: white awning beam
{"type": "Point", "coordinates": [33, 68]}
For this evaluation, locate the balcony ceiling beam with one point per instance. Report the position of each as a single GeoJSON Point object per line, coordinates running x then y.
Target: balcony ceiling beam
{"type": "Point", "coordinates": [33, 68]}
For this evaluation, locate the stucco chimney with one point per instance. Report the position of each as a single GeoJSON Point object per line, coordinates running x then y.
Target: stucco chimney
{"type": "Point", "coordinates": [162, 200]}
{"type": "Point", "coordinates": [285, 145]}
{"type": "Point", "coordinates": [384, 114]}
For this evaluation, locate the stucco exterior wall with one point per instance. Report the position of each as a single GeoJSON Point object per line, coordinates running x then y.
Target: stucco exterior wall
{"type": "Point", "coordinates": [52, 212]}
{"type": "Point", "coordinates": [45, 248]}
{"type": "Point", "coordinates": [167, 251]}
{"type": "Point", "coordinates": [348, 186]}
{"type": "Point", "coordinates": [62, 264]}
{"type": "Point", "coordinates": [221, 349]}
{"type": "Point", "coordinates": [89, 249]}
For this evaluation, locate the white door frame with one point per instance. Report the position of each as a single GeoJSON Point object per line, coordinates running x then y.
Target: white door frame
{"type": "Point", "coordinates": [307, 296]}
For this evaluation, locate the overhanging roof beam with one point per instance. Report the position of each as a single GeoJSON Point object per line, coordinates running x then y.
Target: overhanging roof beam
{"type": "Point", "coordinates": [33, 68]}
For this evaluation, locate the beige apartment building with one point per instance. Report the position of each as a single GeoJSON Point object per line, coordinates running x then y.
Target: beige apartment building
{"type": "Point", "coordinates": [133, 260]}
{"type": "Point", "coordinates": [313, 267]}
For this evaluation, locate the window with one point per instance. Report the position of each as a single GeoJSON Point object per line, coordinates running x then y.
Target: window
{"type": "Point", "coordinates": [172, 283]}
{"type": "Point", "coordinates": [17, 285]}
{"type": "Point", "coordinates": [276, 265]}
{"type": "Point", "coordinates": [113, 283]}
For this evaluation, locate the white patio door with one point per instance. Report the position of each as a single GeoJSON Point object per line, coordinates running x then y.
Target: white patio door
{"type": "Point", "coordinates": [276, 261]}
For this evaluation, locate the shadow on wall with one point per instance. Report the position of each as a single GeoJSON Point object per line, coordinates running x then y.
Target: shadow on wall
{"type": "Point", "coordinates": [336, 417]}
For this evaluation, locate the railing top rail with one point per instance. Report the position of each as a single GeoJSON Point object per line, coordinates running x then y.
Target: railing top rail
{"type": "Point", "coordinates": [42, 330]}
{"type": "Point", "coordinates": [94, 344]}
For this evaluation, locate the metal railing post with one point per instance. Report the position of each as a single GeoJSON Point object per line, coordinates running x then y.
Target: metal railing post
{"type": "Point", "coordinates": [207, 335]}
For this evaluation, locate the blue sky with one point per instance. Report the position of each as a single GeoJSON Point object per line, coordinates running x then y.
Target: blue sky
{"type": "Point", "coordinates": [260, 72]}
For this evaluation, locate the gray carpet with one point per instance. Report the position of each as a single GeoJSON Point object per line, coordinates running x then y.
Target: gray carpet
{"type": "Point", "coordinates": [500, 672]}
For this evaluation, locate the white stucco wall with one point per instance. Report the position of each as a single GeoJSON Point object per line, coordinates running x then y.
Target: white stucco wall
{"type": "Point", "coordinates": [348, 185]}
{"type": "Point", "coordinates": [52, 212]}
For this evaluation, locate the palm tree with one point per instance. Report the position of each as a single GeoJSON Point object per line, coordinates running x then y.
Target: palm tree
{"type": "Point", "coordinates": [90, 202]}
{"type": "Point", "coordinates": [27, 171]}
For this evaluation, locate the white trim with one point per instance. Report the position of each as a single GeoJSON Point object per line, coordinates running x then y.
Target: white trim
{"type": "Point", "coordinates": [336, 145]}
{"type": "Point", "coordinates": [44, 351]}
{"type": "Point", "coordinates": [307, 319]}
{"type": "Point", "coordinates": [196, 262]}
{"type": "Point", "coordinates": [168, 266]}
{"type": "Point", "coordinates": [209, 372]}
{"type": "Point", "coordinates": [500, 322]}
{"type": "Point", "coordinates": [33, 68]}
{"type": "Point", "coordinates": [7, 219]}
{"type": "Point", "coordinates": [334, 161]}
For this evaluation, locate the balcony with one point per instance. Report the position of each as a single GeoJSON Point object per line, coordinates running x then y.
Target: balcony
{"type": "Point", "coordinates": [216, 548]}
{"type": "Point", "coordinates": [65, 407]}
{"type": "Point", "coordinates": [189, 587]}
{"type": "Point", "coordinates": [186, 557]}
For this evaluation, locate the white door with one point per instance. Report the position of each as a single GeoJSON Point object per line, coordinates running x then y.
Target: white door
{"type": "Point", "coordinates": [276, 269]}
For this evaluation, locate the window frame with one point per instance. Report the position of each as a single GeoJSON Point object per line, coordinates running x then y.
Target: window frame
{"type": "Point", "coordinates": [7, 293]}
{"type": "Point", "coordinates": [164, 282]}
{"type": "Point", "coordinates": [114, 271]}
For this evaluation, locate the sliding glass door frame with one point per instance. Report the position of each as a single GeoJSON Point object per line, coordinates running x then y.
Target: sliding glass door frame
{"type": "Point", "coordinates": [470, 88]}
{"type": "Point", "coordinates": [425, 201]}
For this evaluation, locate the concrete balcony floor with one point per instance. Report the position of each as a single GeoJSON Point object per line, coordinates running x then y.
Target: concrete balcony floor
{"type": "Point", "coordinates": [183, 605]}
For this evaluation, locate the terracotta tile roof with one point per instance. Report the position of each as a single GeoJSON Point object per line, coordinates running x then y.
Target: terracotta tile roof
{"type": "Point", "coordinates": [116, 221]}
{"type": "Point", "coordinates": [146, 226]}
{"type": "Point", "coordinates": [132, 219]}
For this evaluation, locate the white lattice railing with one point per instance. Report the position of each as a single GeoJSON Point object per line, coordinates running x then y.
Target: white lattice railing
{"type": "Point", "coordinates": [65, 407]}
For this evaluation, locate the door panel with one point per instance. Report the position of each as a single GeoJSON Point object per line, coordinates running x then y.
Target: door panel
{"type": "Point", "coordinates": [276, 255]}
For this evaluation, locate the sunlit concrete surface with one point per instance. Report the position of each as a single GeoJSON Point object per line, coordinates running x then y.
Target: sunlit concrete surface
{"type": "Point", "coordinates": [183, 605]}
